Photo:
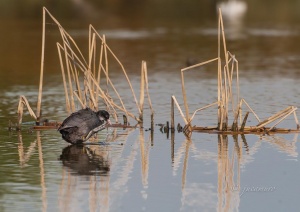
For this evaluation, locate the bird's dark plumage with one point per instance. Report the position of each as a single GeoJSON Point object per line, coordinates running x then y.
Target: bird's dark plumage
{"type": "Point", "coordinates": [81, 125]}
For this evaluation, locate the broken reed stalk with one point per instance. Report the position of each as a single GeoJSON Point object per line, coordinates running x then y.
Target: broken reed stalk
{"type": "Point", "coordinates": [23, 101]}
{"type": "Point", "coordinates": [256, 116]}
{"type": "Point", "coordinates": [147, 86]}
{"type": "Point", "coordinates": [179, 109]}
{"type": "Point", "coordinates": [172, 114]}
{"type": "Point", "coordinates": [293, 109]}
{"type": "Point", "coordinates": [144, 87]}
{"type": "Point", "coordinates": [236, 116]}
{"type": "Point", "coordinates": [296, 119]}
{"type": "Point", "coordinates": [244, 122]}
{"type": "Point", "coordinates": [183, 86]}
{"type": "Point", "coordinates": [202, 108]}
{"type": "Point", "coordinates": [274, 117]}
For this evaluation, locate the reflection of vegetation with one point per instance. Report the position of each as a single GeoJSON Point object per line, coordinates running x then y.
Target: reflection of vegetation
{"type": "Point", "coordinates": [233, 153]}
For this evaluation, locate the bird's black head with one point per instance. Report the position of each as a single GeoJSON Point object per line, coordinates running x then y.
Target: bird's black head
{"type": "Point", "coordinates": [103, 114]}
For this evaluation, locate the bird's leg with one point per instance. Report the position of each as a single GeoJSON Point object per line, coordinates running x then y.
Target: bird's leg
{"type": "Point", "coordinates": [88, 135]}
{"type": "Point", "coordinates": [101, 127]}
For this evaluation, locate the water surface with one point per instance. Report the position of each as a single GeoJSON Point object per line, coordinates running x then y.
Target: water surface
{"type": "Point", "coordinates": [135, 169]}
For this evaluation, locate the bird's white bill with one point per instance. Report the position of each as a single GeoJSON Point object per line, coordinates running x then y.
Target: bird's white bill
{"type": "Point", "coordinates": [108, 122]}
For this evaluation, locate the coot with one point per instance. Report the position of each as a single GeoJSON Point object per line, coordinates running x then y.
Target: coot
{"type": "Point", "coordinates": [81, 125]}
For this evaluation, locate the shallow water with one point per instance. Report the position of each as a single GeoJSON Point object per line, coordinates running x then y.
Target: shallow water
{"type": "Point", "coordinates": [135, 169]}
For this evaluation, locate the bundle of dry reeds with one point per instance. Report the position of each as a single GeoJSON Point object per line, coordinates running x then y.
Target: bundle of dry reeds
{"type": "Point", "coordinates": [83, 78]}
{"type": "Point", "coordinates": [228, 98]}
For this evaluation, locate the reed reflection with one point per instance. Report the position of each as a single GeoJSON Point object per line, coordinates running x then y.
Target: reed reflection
{"type": "Point", "coordinates": [228, 168]}
{"type": "Point", "coordinates": [233, 153]}
{"type": "Point", "coordinates": [93, 163]}
{"type": "Point", "coordinates": [24, 157]}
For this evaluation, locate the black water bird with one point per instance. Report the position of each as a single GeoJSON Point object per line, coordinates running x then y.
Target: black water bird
{"type": "Point", "coordinates": [81, 125]}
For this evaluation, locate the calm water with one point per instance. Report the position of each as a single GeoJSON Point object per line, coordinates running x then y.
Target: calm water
{"type": "Point", "coordinates": [134, 169]}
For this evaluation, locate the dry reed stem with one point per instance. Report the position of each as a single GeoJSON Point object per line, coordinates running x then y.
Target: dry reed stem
{"type": "Point", "coordinates": [225, 123]}
{"type": "Point", "coordinates": [224, 40]}
{"type": "Point", "coordinates": [78, 84]}
{"type": "Point", "coordinates": [92, 102]}
{"type": "Point", "coordinates": [202, 108]}
{"type": "Point", "coordinates": [69, 75]}
{"type": "Point", "coordinates": [106, 61]}
{"type": "Point", "coordinates": [142, 92]}
{"type": "Point", "coordinates": [75, 75]}
{"type": "Point", "coordinates": [79, 100]}
{"type": "Point", "coordinates": [99, 72]}
{"type": "Point", "coordinates": [64, 78]}
{"type": "Point", "coordinates": [23, 101]}
{"type": "Point", "coordinates": [179, 109]}
{"type": "Point", "coordinates": [115, 90]}
{"type": "Point", "coordinates": [244, 122]}
{"type": "Point", "coordinates": [274, 117]}
{"type": "Point", "coordinates": [70, 55]}
{"type": "Point", "coordinates": [172, 114]}
{"type": "Point", "coordinates": [147, 86]}
{"type": "Point", "coordinates": [226, 94]}
{"type": "Point", "coordinates": [184, 97]}
{"type": "Point", "coordinates": [83, 69]}
{"type": "Point", "coordinates": [105, 47]}
{"type": "Point", "coordinates": [183, 87]}
{"type": "Point", "coordinates": [39, 103]}
{"type": "Point", "coordinates": [121, 65]}
{"type": "Point", "coordinates": [251, 109]}
{"type": "Point", "coordinates": [89, 69]}
{"type": "Point", "coordinates": [296, 119]}
{"type": "Point", "coordinates": [235, 120]}
{"type": "Point", "coordinates": [64, 34]}
{"type": "Point", "coordinates": [219, 92]}
{"type": "Point", "coordinates": [237, 74]}
{"type": "Point", "coordinates": [219, 77]}
{"type": "Point", "coordinates": [293, 109]}
{"type": "Point", "coordinates": [106, 99]}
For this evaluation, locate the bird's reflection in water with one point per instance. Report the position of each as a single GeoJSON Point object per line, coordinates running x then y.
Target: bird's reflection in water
{"type": "Point", "coordinates": [86, 160]}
